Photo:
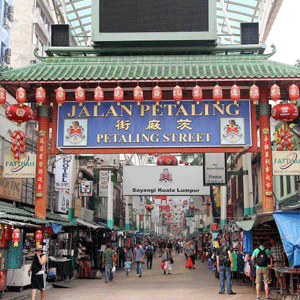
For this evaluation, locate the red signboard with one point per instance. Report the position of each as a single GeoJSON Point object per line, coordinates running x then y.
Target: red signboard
{"type": "Point", "coordinates": [230, 212]}
{"type": "Point", "coordinates": [41, 160]}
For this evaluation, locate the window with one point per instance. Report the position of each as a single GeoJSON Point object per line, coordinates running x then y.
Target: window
{"type": "Point", "coordinates": [281, 187]}
{"type": "Point", "coordinates": [288, 184]}
{"type": "Point", "coordinates": [28, 191]}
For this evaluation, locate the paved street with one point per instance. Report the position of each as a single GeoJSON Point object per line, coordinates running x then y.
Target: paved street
{"type": "Point", "coordinates": [154, 285]}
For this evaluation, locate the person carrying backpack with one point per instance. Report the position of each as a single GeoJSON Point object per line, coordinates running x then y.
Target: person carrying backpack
{"type": "Point", "coordinates": [262, 257]}
{"type": "Point", "coordinates": [224, 266]}
{"type": "Point", "coordinates": [149, 254]}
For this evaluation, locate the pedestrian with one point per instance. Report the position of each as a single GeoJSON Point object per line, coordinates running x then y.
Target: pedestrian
{"type": "Point", "coordinates": [149, 254]}
{"type": "Point", "coordinates": [168, 258]}
{"type": "Point", "coordinates": [190, 251]}
{"type": "Point", "coordinates": [128, 254]}
{"type": "Point", "coordinates": [261, 257]}
{"type": "Point", "coordinates": [109, 260]}
{"type": "Point", "coordinates": [138, 257]}
{"type": "Point", "coordinates": [38, 273]}
{"type": "Point", "coordinates": [278, 262]}
{"type": "Point", "coordinates": [127, 265]}
{"type": "Point", "coordinates": [224, 267]}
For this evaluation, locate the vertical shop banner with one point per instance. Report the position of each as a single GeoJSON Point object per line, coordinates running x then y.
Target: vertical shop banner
{"type": "Point", "coordinates": [103, 183]}
{"type": "Point", "coordinates": [215, 171]}
{"type": "Point", "coordinates": [62, 202]}
{"type": "Point", "coordinates": [64, 167]}
{"type": "Point", "coordinates": [41, 161]}
{"type": "Point", "coordinates": [86, 188]}
{"type": "Point", "coordinates": [10, 189]}
{"type": "Point", "coordinates": [267, 163]}
{"type": "Point", "coordinates": [25, 167]}
{"type": "Point", "coordinates": [77, 207]}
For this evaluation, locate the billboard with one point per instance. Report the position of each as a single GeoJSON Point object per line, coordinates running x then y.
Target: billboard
{"type": "Point", "coordinates": [164, 180]}
{"type": "Point", "coordinates": [286, 162]}
{"type": "Point", "coordinates": [25, 167]}
{"type": "Point", "coordinates": [215, 171]}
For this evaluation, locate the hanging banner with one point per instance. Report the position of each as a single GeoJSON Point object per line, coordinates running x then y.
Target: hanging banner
{"type": "Point", "coordinates": [164, 180]}
{"type": "Point", "coordinates": [148, 125]}
{"type": "Point", "coordinates": [103, 183]}
{"type": "Point", "coordinates": [25, 167]}
{"type": "Point", "coordinates": [286, 162]}
{"type": "Point", "coordinates": [63, 171]}
{"type": "Point", "coordinates": [215, 171]}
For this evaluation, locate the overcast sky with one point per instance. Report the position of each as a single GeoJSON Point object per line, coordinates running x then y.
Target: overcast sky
{"type": "Point", "coordinates": [285, 33]}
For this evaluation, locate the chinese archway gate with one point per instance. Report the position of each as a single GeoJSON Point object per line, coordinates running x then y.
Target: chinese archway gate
{"type": "Point", "coordinates": [83, 89]}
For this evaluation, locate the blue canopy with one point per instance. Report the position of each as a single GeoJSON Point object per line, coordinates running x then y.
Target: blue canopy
{"type": "Point", "coordinates": [288, 223]}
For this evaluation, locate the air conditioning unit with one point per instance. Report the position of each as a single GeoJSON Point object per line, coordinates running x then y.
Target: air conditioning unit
{"type": "Point", "coordinates": [6, 23]}
{"type": "Point", "coordinates": [7, 59]}
{"type": "Point", "coordinates": [10, 13]}
{"type": "Point", "coordinates": [7, 52]}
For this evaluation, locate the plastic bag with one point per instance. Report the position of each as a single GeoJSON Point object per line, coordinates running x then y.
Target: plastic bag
{"type": "Point", "coordinates": [162, 265]}
{"type": "Point", "coordinates": [113, 269]}
{"type": "Point", "coordinates": [189, 263]}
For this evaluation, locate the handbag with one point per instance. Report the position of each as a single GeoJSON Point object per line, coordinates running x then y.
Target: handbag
{"type": "Point", "coordinates": [113, 269]}
{"type": "Point", "coordinates": [162, 265]}
{"type": "Point", "coordinates": [189, 263]}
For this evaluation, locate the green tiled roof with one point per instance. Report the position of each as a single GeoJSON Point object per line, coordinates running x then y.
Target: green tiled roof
{"type": "Point", "coordinates": [152, 67]}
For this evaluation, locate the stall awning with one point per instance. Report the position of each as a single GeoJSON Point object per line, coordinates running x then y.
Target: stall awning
{"type": "Point", "coordinates": [246, 225]}
{"type": "Point", "coordinates": [288, 223]}
{"type": "Point", "coordinates": [18, 224]}
{"type": "Point", "coordinates": [88, 224]}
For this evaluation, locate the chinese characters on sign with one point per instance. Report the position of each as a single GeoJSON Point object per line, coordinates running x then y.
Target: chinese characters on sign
{"type": "Point", "coordinates": [268, 164]}
{"type": "Point", "coordinates": [40, 166]}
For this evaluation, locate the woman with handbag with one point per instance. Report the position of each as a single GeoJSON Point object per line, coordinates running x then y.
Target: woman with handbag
{"type": "Point", "coordinates": [168, 258]}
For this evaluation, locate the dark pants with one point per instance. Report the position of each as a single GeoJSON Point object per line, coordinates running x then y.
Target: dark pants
{"type": "Point", "coordinates": [193, 258]}
{"type": "Point", "coordinates": [149, 261]}
{"type": "Point", "coordinates": [225, 272]}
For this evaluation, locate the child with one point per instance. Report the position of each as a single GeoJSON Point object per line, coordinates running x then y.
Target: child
{"type": "Point", "coordinates": [127, 266]}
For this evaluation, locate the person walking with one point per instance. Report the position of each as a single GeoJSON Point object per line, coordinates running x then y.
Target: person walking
{"type": "Point", "coordinates": [190, 251]}
{"type": "Point", "coordinates": [109, 260]}
{"type": "Point", "coordinates": [278, 262]}
{"type": "Point", "coordinates": [224, 266]}
{"type": "Point", "coordinates": [138, 257]}
{"type": "Point", "coordinates": [38, 273]}
{"type": "Point", "coordinates": [261, 257]}
{"type": "Point", "coordinates": [127, 265]}
{"type": "Point", "coordinates": [168, 258]}
{"type": "Point", "coordinates": [149, 254]}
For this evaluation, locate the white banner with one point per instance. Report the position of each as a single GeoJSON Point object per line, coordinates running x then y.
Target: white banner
{"type": "Point", "coordinates": [25, 167]}
{"type": "Point", "coordinates": [63, 171]}
{"type": "Point", "coordinates": [103, 183]}
{"type": "Point", "coordinates": [62, 202]}
{"type": "Point", "coordinates": [215, 169]}
{"type": "Point", "coordinates": [164, 180]}
{"type": "Point", "coordinates": [138, 203]}
{"type": "Point", "coordinates": [286, 162]}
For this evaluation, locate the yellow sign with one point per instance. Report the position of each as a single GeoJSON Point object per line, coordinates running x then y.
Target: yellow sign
{"type": "Point", "coordinates": [218, 196]}
{"type": "Point", "coordinates": [77, 208]}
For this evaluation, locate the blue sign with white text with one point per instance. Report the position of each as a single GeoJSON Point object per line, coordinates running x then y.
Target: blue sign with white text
{"type": "Point", "coordinates": [129, 125]}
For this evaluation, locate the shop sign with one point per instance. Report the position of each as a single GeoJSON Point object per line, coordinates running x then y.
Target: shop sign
{"type": "Point", "coordinates": [25, 167]}
{"type": "Point", "coordinates": [77, 207]}
{"type": "Point", "coordinates": [267, 159]}
{"type": "Point", "coordinates": [229, 210]}
{"type": "Point", "coordinates": [103, 183]}
{"type": "Point", "coordinates": [86, 188]}
{"type": "Point", "coordinates": [62, 202]}
{"type": "Point", "coordinates": [157, 126]}
{"type": "Point", "coordinates": [63, 171]}
{"type": "Point", "coordinates": [218, 196]}
{"type": "Point", "coordinates": [164, 180]}
{"type": "Point", "coordinates": [41, 161]}
{"type": "Point", "coordinates": [10, 189]}
{"type": "Point", "coordinates": [215, 171]}
{"type": "Point", "coordinates": [286, 162]}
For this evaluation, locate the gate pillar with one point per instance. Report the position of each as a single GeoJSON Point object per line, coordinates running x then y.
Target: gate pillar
{"type": "Point", "coordinates": [42, 161]}
{"type": "Point", "coordinates": [265, 150]}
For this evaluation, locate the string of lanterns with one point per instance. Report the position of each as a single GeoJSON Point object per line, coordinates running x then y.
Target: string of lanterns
{"type": "Point", "coordinates": [138, 94]}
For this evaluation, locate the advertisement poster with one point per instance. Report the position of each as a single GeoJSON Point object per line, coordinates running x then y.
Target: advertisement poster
{"type": "Point", "coordinates": [25, 167]}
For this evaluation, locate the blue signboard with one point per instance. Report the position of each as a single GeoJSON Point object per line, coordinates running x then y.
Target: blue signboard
{"type": "Point", "coordinates": [129, 125]}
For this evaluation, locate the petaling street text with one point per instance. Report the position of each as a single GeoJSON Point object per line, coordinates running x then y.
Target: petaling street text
{"type": "Point", "coordinates": [154, 138]}
{"type": "Point", "coordinates": [161, 110]}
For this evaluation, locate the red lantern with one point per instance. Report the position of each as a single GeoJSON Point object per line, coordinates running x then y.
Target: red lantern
{"type": "Point", "coordinates": [167, 160]}
{"type": "Point", "coordinates": [197, 94]}
{"type": "Point", "coordinates": [16, 236]}
{"type": "Point", "coordinates": [192, 207]}
{"type": "Point", "coordinates": [2, 96]}
{"type": "Point", "coordinates": [235, 93]}
{"type": "Point", "coordinates": [21, 96]}
{"type": "Point", "coordinates": [99, 95]}
{"type": "Point", "coordinates": [38, 237]}
{"type": "Point", "coordinates": [60, 96]}
{"type": "Point", "coordinates": [254, 93]}
{"type": "Point", "coordinates": [156, 94]}
{"type": "Point", "coordinates": [181, 161]}
{"type": "Point", "coordinates": [138, 95]}
{"type": "Point", "coordinates": [118, 95]}
{"type": "Point", "coordinates": [149, 207]}
{"type": "Point", "coordinates": [19, 114]}
{"type": "Point", "coordinates": [185, 202]}
{"type": "Point", "coordinates": [275, 92]}
{"type": "Point", "coordinates": [40, 95]}
{"type": "Point", "coordinates": [217, 93]}
{"type": "Point", "coordinates": [177, 94]}
{"type": "Point", "coordinates": [80, 95]}
{"type": "Point", "coordinates": [293, 93]}
{"type": "Point", "coordinates": [186, 163]}
{"type": "Point", "coordinates": [156, 154]}
{"type": "Point", "coordinates": [284, 112]}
